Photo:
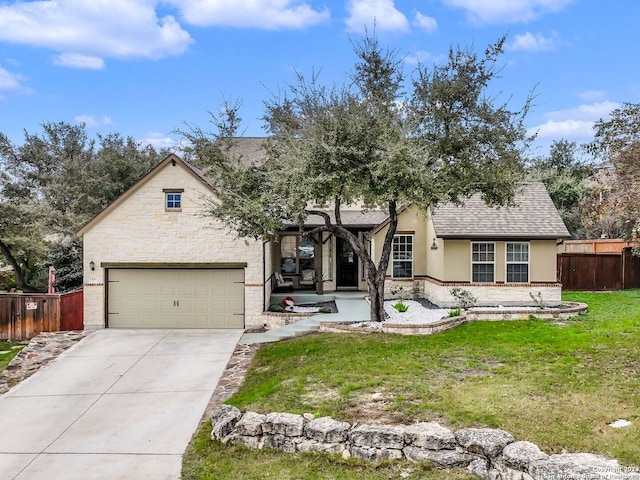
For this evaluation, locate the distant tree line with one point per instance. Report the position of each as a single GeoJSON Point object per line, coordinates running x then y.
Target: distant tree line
{"type": "Point", "coordinates": [50, 186]}
{"type": "Point", "coordinates": [596, 186]}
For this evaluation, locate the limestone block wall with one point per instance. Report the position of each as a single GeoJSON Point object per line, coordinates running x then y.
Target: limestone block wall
{"type": "Point", "coordinates": [490, 454]}
{"type": "Point", "coordinates": [494, 294]}
{"type": "Point", "coordinates": [139, 230]}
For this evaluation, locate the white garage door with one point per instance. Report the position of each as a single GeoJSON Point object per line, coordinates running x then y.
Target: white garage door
{"type": "Point", "coordinates": [168, 298]}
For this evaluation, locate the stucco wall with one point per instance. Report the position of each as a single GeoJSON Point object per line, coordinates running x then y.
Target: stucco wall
{"type": "Point", "coordinates": [139, 230]}
{"type": "Point", "coordinates": [411, 221]}
{"type": "Point", "coordinates": [457, 261]}
{"type": "Point", "coordinates": [543, 261]}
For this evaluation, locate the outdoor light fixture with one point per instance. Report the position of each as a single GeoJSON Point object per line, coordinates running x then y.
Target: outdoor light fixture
{"type": "Point", "coordinates": [433, 245]}
{"type": "Point", "coordinates": [92, 265]}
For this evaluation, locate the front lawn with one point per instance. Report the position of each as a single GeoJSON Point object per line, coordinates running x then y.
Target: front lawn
{"type": "Point", "coordinates": [557, 384]}
{"type": "Point", "coordinates": [8, 350]}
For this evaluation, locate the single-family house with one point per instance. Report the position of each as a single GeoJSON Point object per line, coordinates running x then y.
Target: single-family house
{"type": "Point", "coordinates": [501, 255]}
{"type": "Point", "coordinates": [153, 259]}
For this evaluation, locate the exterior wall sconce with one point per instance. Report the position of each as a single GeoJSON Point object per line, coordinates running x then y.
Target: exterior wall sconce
{"type": "Point", "coordinates": [434, 246]}
{"type": "Point", "coordinates": [92, 265]}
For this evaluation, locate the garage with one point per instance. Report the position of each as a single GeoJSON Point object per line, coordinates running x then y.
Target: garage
{"type": "Point", "coordinates": [175, 298]}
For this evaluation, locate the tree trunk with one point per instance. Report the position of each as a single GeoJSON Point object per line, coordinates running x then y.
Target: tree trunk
{"type": "Point", "coordinates": [21, 281]}
{"type": "Point", "coordinates": [375, 275]}
{"type": "Point", "coordinates": [376, 296]}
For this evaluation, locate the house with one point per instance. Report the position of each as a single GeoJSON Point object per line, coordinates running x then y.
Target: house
{"type": "Point", "coordinates": [501, 255]}
{"type": "Point", "coordinates": [153, 260]}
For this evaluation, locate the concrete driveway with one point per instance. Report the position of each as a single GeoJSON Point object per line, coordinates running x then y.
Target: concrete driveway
{"type": "Point", "coordinates": [121, 404]}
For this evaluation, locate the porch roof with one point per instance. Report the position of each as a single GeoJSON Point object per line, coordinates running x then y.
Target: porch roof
{"type": "Point", "coordinates": [350, 218]}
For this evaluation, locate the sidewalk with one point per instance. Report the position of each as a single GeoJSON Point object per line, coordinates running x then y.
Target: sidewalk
{"type": "Point", "coordinates": [352, 307]}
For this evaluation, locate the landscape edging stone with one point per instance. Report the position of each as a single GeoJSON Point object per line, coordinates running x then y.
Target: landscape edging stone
{"type": "Point", "coordinates": [490, 454]}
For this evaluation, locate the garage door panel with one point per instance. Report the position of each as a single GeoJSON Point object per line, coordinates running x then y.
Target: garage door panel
{"type": "Point", "coordinates": [167, 298]}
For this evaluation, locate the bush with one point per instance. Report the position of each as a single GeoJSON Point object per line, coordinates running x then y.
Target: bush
{"type": "Point", "coordinates": [464, 297]}
{"type": "Point", "coordinates": [455, 313]}
{"type": "Point", "coordinates": [325, 310]}
{"type": "Point", "coordinates": [276, 307]}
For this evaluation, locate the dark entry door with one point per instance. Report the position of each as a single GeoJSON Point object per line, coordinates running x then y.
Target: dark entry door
{"type": "Point", "coordinates": [347, 265]}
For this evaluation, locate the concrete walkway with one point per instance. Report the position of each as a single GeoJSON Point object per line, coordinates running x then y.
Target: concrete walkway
{"type": "Point", "coordinates": [352, 307]}
{"type": "Point", "coordinates": [121, 404]}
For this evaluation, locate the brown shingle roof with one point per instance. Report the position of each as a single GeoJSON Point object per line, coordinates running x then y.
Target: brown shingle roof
{"type": "Point", "coordinates": [533, 216]}
{"type": "Point", "coordinates": [250, 150]}
{"type": "Point", "coordinates": [351, 218]}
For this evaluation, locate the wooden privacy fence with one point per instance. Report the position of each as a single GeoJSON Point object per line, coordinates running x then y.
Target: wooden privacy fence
{"type": "Point", "coordinates": [588, 271]}
{"type": "Point", "coordinates": [23, 316]}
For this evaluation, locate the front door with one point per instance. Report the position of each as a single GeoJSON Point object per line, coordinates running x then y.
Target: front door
{"type": "Point", "coordinates": [347, 265]}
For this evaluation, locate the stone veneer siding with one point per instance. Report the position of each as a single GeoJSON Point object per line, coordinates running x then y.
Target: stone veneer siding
{"type": "Point", "coordinates": [138, 230]}
{"type": "Point", "coordinates": [489, 454]}
{"type": "Point", "coordinates": [488, 294]}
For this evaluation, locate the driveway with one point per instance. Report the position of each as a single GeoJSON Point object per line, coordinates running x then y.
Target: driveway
{"type": "Point", "coordinates": [121, 404]}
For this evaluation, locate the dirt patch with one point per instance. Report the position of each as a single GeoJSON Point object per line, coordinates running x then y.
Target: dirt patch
{"type": "Point", "coordinates": [319, 392]}
{"type": "Point", "coordinates": [372, 409]}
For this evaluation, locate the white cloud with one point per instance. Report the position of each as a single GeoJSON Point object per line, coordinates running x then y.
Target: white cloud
{"type": "Point", "coordinates": [383, 12]}
{"type": "Point", "coordinates": [422, 56]}
{"type": "Point", "coordinates": [507, 11]}
{"type": "Point", "coordinates": [9, 80]}
{"type": "Point", "coordinates": [96, 28]}
{"type": "Point", "coordinates": [574, 123]}
{"type": "Point", "coordinates": [92, 122]}
{"type": "Point", "coordinates": [567, 129]}
{"type": "Point", "coordinates": [592, 111]}
{"type": "Point", "coordinates": [159, 141]}
{"type": "Point", "coordinates": [533, 42]}
{"type": "Point", "coordinates": [78, 61]}
{"type": "Point", "coordinates": [266, 14]}
{"type": "Point", "coordinates": [424, 22]}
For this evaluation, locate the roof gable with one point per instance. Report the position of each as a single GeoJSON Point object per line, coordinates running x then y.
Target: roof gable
{"type": "Point", "coordinates": [171, 160]}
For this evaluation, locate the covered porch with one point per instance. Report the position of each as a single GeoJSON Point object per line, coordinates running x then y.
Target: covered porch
{"type": "Point", "coordinates": [301, 260]}
{"type": "Point", "coordinates": [315, 264]}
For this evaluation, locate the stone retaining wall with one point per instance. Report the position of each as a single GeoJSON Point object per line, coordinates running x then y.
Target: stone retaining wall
{"type": "Point", "coordinates": [273, 320]}
{"type": "Point", "coordinates": [489, 454]}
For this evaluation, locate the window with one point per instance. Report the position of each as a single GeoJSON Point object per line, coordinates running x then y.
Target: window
{"type": "Point", "coordinates": [297, 254]}
{"type": "Point", "coordinates": [483, 255]}
{"type": "Point", "coordinates": [517, 262]}
{"type": "Point", "coordinates": [288, 254]}
{"type": "Point", "coordinates": [402, 256]}
{"type": "Point", "coordinates": [173, 199]}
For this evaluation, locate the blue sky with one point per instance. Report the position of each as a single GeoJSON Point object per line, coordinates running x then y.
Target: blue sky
{"type": "Point", "coordinates": [144, 67]}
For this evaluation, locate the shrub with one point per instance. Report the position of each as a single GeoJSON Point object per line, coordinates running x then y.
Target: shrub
{"type": "Point", "coordinates": [276, 307]}
{"type": "Point", "coordinates": [325, 310]}
{"type": "Point", "coordinates": [464, 297]}
{"type": "Point", "coordinates": [537, 299]}
{"type": "Point", "coordinates": [455, 313]}
{"type": "Point", "coordinates": [401, 306]}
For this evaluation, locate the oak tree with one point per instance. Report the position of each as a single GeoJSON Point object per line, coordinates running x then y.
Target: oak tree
{"type": "Point", "coordinates": [381, 137]}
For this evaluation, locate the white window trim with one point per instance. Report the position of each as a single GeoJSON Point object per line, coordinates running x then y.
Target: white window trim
{"type": "Point", "coordinates": [482, 263]}
{"type": "Point", "coordinates": [413, 254]}
{"type": "Point", "coordinates": [173, 191]}
{"type": "Point", "coordinates": [507, 263]}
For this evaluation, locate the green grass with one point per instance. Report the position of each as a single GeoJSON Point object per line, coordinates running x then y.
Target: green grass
{"type": "Point", "coordinates": [557, 384]}
{"type": "Point", "coordinates": [210, 460]}
{"type": "Point", "coordinates": [7, 346]}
